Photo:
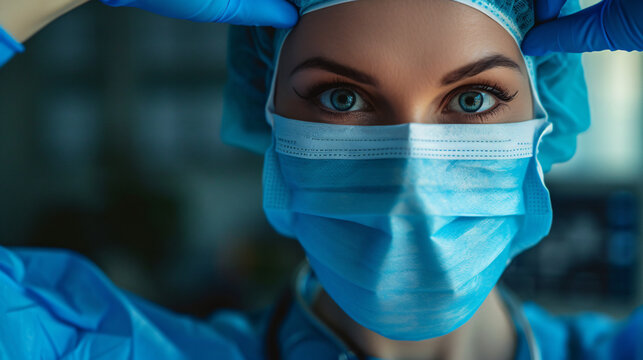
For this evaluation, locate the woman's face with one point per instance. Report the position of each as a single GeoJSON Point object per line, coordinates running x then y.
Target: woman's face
{"type": "Point", "coordinates": [383, 62]}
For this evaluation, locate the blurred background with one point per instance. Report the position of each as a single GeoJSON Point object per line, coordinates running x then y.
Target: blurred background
{"type": "Point", "coordinates": [109, 146]}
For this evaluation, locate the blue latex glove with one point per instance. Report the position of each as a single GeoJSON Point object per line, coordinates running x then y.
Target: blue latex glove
{"type": "Point", "coordinates": [8, 46]}
{"type": "Point", "coordinates": [276, 13]}
{"type": "Point", "coordinates": [608, 25]}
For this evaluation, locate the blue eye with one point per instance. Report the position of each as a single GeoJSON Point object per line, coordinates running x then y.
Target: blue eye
{"type": "Point", "coordinates": [472, 102]}
{"type": "Point", "coordinates": [342, 100]}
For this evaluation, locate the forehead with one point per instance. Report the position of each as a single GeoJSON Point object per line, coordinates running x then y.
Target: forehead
{"type": "Point", "coordinates": [431, 36]}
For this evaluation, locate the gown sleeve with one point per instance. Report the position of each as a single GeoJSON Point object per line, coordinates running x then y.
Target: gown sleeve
{"type": "Point", "coordinates": [586, 335]}
{"type": "Point", "coordinates": [8, 46]}
{"type": "Point", "coordinates": [55, 304]}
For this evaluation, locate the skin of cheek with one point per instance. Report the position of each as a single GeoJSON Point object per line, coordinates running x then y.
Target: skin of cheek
{"type": "Point", "coordinates": [405, 92]}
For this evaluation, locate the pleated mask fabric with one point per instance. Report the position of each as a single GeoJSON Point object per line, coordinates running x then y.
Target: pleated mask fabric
{"type": "Point", "coordinates": [408, 227]}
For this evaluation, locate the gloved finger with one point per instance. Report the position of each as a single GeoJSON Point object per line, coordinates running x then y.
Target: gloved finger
{"type": "Point", "coordinates": [275, 13]}
{"type": "Point", "coordinates": [579, 32]}
{"type": "Point", "coordinates": [547, 9]}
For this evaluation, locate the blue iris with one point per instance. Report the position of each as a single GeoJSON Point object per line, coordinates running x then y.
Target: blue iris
{"type": "Point", "coordinates": [470, 101]}
{"type": "Point", "coordinates": [342, 99]}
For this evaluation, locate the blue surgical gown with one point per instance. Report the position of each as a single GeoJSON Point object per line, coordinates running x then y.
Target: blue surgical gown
{"type": "Point", "coordinates": [55, 304]}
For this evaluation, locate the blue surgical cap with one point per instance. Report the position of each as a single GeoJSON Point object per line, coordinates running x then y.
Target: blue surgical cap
{"type": "Point", "coordinates": [557, 79]}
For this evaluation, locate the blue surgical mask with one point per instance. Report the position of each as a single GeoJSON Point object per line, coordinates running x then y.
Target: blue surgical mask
{"type": "Point", "coordinates": [408, 227]}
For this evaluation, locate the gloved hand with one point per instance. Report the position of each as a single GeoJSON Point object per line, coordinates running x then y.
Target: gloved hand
{"type": "Point", "coordinates": [276, 13]}
{"type": "Point", "coordinates": [610, 24]}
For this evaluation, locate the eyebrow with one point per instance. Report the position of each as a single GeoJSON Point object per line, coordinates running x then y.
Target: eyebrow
{"type": "Point", "coordinates": [479, 66]}
{"type": "Point", "coordinates": [466, 71]}
{"type": "Point", "coordinates": [320, 62]}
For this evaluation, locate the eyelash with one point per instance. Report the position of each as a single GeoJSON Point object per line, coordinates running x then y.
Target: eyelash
{"type": "Point", "coordinates": [312, 95]}
{"type": "Point", "coordinates": [492, 88]}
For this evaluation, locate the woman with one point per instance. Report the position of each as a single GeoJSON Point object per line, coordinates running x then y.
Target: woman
{"type": "Point", "coordinates": [410, 188]}
{"type": "Point", "coordinates": [366, 225]}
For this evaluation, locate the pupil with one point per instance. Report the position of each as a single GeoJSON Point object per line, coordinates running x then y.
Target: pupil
{"type": "Point", "coordinates": [343, 99]}
{"type": "Point", "coordinates": [471, 101]}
